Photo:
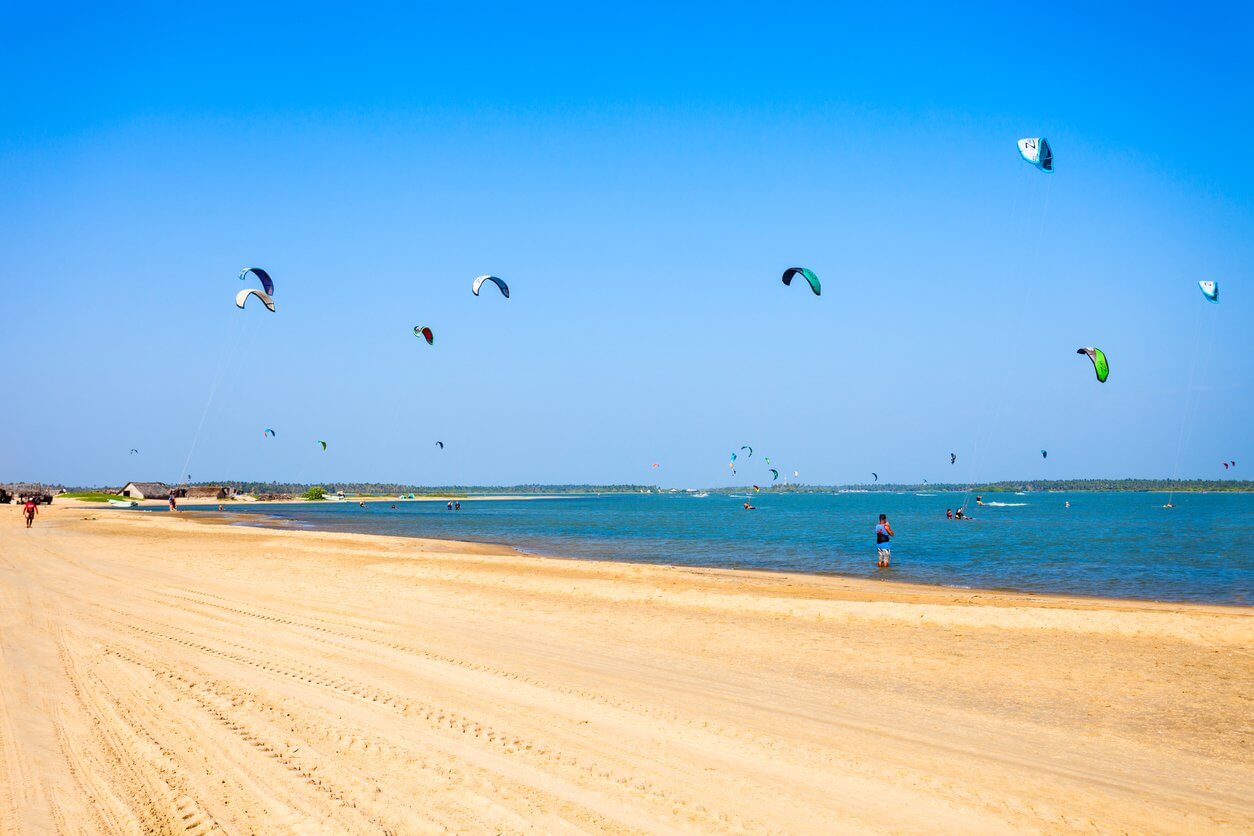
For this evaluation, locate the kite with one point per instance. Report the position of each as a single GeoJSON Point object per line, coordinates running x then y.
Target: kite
{"type": "Point", "coordinates": [269, 432]}
{"type": "Point", "coordinates": [876, 476]}
{"type": "Point", "coordinates": [324, 446]}
{"type": "Point", "coordinates": [953, 457]}
{"type": "Point", "coordinates": [750, 449]}
{"type": "Point", "coordinates": [656, 465]}
{"type": "Point", "coordinates": [805, 273]}
{"type": "Point", "coordinates": [1100, 366]}
{"type": "Point", "coordinates": [1210, 290]}
{"type": "Point", "coordinates": [1037, 152]}
{"type": "Point", "coordinates": [242, 297]}
{"type": "Point", "coordinates": [733, 458]}
{"type": "Point", "coordinates": [261, 274]}
{"type": "Point", "coordinates": [1044, 454]}
{"type": "Point", "coordinates": [1225, 464]}
{"type": "Point", "coordinates": [767, 460]}
{"type": "Point", "coordinates": [796, 475]}
{"type": "Point", "coordinates": [423, 332]}
{"type": "Point", "coordinates": [774, 474]}
{"type": "Point", "coordinates": [134, 451]}
{"type": "Point", "coordinates": [478, 283]}
{"type": "Point", "coordinates": [440, 444]}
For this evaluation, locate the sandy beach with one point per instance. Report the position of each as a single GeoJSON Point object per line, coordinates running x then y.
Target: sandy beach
{"type": "Point", "coordinates": [160, 673]}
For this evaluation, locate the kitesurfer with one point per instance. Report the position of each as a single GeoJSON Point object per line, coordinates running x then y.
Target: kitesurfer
{"type": "Point", "coordinates": [949, 513]}
{"type": "Point", "coordinates": [457, 506]}
{"type": "Point", "coordinates": [883, 537]}
{"type": "Point", "coordinates": [30, 509]}
{"type": "Point", "coordinates": [450, 506]}
{"type": "Point", "coordinates": [979, 500]}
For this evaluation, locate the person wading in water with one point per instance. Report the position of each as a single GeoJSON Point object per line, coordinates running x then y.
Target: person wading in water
{"type": "Point", "coordinates": [883, 545]}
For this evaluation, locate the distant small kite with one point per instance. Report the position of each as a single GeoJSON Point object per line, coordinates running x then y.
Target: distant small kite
{"type": "Point", "coordinates": [261, 274]}
{"type": "Point", "coordinates": [242, 297]}
{"type": "Point", "coordinates": [1100, 367]}
{"type": "Point", "coordinates": [1036, 150]}
{"type": "Point", "coordinates": [501, 285]}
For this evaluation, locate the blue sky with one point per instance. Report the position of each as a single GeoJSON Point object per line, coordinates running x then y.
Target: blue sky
{"type": "Point", "coordinates": [640, 176]}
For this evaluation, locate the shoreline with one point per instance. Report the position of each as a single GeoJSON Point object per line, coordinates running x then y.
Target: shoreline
{"type": "Point", "coordinates": [822, 584]}
{"type": "Point", "coordinates": [160, 671]}
{"type": "Point", "coordinates": [509, 549]}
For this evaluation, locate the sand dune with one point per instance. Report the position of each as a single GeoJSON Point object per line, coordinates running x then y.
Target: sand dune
{"type": "Point", "coordinates": [162, 675]}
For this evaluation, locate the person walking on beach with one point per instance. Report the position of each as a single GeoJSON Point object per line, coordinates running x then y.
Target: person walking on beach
{"type": "Point", "coordinates": [174, 506]}
{"type": "Point", "coordinates": [30, 509]}
{"type": "Point", "coordinates": [883, 536]}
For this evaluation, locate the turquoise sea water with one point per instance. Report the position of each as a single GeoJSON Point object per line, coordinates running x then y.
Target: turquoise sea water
{"type": "Point", "coordinates": [1108, 544]}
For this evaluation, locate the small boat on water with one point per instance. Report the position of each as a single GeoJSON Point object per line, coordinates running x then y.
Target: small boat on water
{"type": "Point", "coordinates": [123, 503]}
{"type": "Point", "coordinates": [701, 495]}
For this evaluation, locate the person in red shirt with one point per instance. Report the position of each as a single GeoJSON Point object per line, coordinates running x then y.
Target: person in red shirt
{"type": "Point", "coordinates": [30, 509]}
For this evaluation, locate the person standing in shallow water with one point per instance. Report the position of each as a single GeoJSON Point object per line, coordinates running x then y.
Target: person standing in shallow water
{"type": "Point", "coordinates": [883, 538]}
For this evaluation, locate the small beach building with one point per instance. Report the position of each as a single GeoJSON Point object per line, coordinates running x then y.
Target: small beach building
{"type": "Point", "coordinates": [149, 490]}
{"type": "Point", "coordinates": [209, 492]}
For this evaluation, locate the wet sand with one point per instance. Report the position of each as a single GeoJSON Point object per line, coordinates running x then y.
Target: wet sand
{"type": "Point", "coordinates": [162, 675]}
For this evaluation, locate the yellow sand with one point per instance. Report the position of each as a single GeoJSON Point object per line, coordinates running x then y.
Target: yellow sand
{"type": "Point", "coordinates": [161, 675]}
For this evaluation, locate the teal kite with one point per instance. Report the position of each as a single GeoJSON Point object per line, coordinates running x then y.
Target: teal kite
{"type": "Point", "coordinates": [805, 273]}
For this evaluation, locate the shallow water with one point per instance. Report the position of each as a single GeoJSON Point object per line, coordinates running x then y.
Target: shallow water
{"type": "Point", "coordinates": [1108, 544]}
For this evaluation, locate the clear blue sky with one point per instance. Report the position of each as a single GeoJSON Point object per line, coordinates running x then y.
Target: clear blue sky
{"type": "Point", "coordinates": [640, 176]}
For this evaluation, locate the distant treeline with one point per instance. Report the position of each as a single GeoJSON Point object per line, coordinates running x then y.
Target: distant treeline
{"type": "Point", "coordinates": [395, 488]}
{"type": "Point", "coordinates": [1119, 485]}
